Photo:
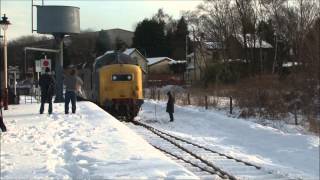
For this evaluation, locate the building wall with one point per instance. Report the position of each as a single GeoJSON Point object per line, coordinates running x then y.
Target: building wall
{"type": "Point", "coordinates": [140, 60]}
{"type": "Point", "coordinates": [160, 68]}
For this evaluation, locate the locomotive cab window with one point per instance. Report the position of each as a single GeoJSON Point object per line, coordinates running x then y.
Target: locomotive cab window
{"type": "Point", "coordinates": [121, 77]}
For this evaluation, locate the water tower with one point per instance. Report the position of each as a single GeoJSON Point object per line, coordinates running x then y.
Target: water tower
{"type": "Point", "coordinates": [58, 21]}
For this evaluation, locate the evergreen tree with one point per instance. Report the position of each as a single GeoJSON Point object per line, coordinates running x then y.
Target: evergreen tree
{"type": "Point", "coordinates": [170, 42]}
{"type": "Point", "coordinates": [149, 37]}
{"type": "Point", "coordinates": [180, 38]}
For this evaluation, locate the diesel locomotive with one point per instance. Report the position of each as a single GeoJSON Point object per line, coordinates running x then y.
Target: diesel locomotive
{"type": "Point", "coordinates": [117, 85]}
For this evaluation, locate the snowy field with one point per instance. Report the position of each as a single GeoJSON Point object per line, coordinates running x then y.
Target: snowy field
{"type": "Point", "coordinates": [88, 145]}
{"type": "Point", "coordinates": [292, 154]}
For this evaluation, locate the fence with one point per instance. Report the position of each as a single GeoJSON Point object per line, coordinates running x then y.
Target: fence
{"type": "Point", "coordinates": [29, 95]}
{"type": "Point", "coordinates": [187, 98]}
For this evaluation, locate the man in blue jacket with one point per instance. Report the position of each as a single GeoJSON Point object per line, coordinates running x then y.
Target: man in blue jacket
{"type": "Point", "coordinates": [73, 84]}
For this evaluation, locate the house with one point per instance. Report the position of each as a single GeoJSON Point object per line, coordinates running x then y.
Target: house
{"type": "Point", "coordinates": [159, 65]}
{"type": "Point", "coordinates": [160, 72]}
{"type": "Point", "coordinates": [235, 49]}
{"type": "Point", "coordinates": [257, 49]}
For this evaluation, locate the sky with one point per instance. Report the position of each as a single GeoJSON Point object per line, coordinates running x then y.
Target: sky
{"type": "Point", "coordinates": [94, 14]}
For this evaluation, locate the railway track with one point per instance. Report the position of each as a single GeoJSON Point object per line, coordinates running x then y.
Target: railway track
{"type": "Point", "coordinates": [203, 162]}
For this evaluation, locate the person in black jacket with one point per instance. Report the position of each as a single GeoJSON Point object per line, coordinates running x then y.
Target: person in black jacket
{"type": "Point", "coordinates": [2, 125]}
{"type": "Point", "coordinates": [46, 83]}
{"type": "Point", "coordinates": [170, 106]}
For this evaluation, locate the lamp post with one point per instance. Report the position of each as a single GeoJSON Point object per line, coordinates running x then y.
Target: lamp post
{"type": "Point", "coordinates": [4, 23]}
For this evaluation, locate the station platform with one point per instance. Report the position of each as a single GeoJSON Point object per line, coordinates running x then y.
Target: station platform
{"type": "Point", "coordinates": [90, 144]}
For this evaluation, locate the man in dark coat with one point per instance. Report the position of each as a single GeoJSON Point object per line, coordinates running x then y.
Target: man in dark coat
{"type": "Point", "coordinates": [170, 106]}
{"type": "Point", "coordinates": [46, 83]}
{"type": "Point", "coordinates": [2, 125]}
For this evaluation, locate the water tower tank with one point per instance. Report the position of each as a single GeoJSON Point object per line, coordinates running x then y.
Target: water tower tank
{"type": "Point", "coordinates": [58, 20]}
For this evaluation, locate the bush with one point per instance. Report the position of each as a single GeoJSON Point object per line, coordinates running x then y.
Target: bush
{"type": "Point", "coordinates": [227, 72]}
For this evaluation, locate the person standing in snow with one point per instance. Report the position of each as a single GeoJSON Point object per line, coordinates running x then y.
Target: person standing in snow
{"type": "Point", "coordinates": [2, 125]}
{"type": "Point", "coordinates": [46, 83]}
{"type": "Point", "coordinates": [73, 84]}
{"type": "Point", "coordinates": [170, 106]}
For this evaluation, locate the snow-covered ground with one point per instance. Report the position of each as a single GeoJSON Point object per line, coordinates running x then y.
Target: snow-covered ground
{"type": "Point", "coordinates": [292, 154]}
{"type": "Point", "coordinates": [90, 144]}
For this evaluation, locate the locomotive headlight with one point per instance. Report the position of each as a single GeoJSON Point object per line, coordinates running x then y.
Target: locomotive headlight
{"type": "Point", "coordinates": [114, 77]}
{"type": "Point", "coordinates": [129, 77]}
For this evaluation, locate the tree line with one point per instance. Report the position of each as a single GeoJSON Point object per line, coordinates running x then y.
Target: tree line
{"type": "Point", "coordinates": [285, 24]}
{"type": "Point", "coordinates": [270, 90]}
{"type": "Point", "coordinates": [161, 35]}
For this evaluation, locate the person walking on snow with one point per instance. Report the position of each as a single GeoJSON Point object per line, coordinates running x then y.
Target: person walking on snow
{"type": "Point", "coordinates": [170, 106]}
{"type": "Point", "coordinates": [46, 83]}
{"type": "Point", "coordinates": [73, 84]}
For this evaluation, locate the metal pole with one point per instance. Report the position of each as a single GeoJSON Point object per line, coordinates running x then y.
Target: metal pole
{"type": "Point", "coordinates": [194, 57]}
{"type": "Point", "coordinates": [31, 16]}
{"type": "Point", "coordinates": [14, 83]}
{"type": "Point", "coordinates": [5, 100]}
{"type": "Point", "coordinates": [25, 62]}
{"type": "Point", "coordinates": [186, 46]}
{"type": "Point", "coordinates": [59, 71]}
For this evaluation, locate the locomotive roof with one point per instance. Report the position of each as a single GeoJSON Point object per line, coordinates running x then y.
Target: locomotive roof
{"type": "Point", "coordinates": [113, 58]}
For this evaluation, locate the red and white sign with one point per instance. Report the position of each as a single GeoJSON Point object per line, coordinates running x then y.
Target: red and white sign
{"type": "Point", "coordinates": [45, 63]}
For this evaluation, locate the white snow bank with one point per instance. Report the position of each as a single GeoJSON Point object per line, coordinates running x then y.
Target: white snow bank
{"type": "Point", "coordinates": [90, 144]}
{"type": "Point", "coordinates": [293, 154]}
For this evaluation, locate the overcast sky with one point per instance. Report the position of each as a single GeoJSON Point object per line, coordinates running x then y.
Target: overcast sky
{"type": "Point", "coordinates": [95, 14]}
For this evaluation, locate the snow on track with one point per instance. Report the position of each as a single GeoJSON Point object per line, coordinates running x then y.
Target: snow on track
{"type": "Point", "coordinates": [291, 154]}
{"type": "Point", "coordinates": [88, 144]}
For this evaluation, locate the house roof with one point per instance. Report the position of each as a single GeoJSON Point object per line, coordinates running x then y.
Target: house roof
{"type": "Point", "coordinates": [129, 51]}
{"type": "Point", "coordinates": [155, 60]}
{"type": "Point", "coordinates": [118, 29]}
{"type": "Point", "coordinates": [178, 62]}
{"type": "Point", "coordinates": [290, 64]}
{"type": "Point", "coordinates": [253, 41]}
{"type": "Point", "coordinates": [213, 45]}
{"type": "Point", "coordinates": [190, 55]}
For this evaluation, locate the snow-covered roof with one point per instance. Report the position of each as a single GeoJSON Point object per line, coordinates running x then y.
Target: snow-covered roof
{"type": "Point", "coordinates": [190, 66]}
{"type": "Point", "coordinates": [213, 45]}
{"type": "Point", "coordinates": [178, 62]}
{"type": "Point", "coordinates": [155, 60]}
{"type": "Point", "coordinates": [190, 55]}
{"type": "Point", "coordinates": [127, 51]}
{"type": "Point", "coordinates": [290, 64]}
{"type": "Point", "coordinates": [253, 41]}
